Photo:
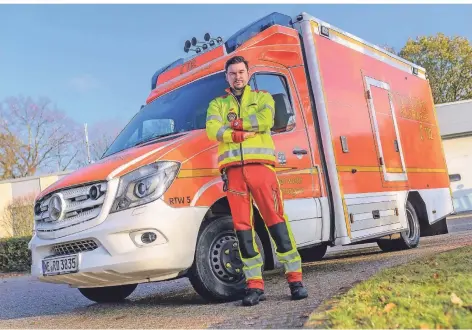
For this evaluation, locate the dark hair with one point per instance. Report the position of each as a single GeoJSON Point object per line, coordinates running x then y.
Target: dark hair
{"type": "Point", "coordinates": [235, 60]}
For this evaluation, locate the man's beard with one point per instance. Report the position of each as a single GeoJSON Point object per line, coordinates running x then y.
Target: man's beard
{"type": "Point", "coordinates": [239, 89]}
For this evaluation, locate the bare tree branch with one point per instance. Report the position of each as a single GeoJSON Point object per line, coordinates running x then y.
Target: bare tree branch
{"type": "Point", "coordinates": [42, 136]}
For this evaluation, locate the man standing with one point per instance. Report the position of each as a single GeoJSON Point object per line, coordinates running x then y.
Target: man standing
{"type": "Point", "coordinates": [241, 121]}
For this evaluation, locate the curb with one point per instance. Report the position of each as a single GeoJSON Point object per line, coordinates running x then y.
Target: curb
{"type": "Point", "coordinates": [459, 216]}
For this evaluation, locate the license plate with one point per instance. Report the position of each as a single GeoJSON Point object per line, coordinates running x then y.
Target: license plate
{"type": "Point", "coordinates": [61, 265]}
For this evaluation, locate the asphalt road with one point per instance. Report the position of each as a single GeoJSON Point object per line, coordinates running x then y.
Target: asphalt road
{"type": "Point", "coordinates": [27, 303]}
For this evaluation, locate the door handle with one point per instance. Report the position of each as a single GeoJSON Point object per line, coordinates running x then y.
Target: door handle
{"type": "Point", "coordinates": [299, 151]}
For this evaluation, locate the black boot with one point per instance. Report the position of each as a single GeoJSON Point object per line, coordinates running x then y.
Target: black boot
{"type": "Point", "coordinates": [298, 291]}
{"type": "Point", "coordinates": [253, 296]}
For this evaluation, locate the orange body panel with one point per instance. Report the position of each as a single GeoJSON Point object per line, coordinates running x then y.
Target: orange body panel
{"type": "Point", "coordinates": [372, 181]}
{"type": "Point", "coordinates": [183, 190]}
{"type": "Point", "coordinates": [343, 71]}
{"type": "Point", "coordinates": [190, 65]}
{"type": "Point", "coordinates": [100, 170]}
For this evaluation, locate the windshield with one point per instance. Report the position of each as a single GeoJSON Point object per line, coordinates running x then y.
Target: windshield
{"type": "Point", "coordinates": [181, 110]}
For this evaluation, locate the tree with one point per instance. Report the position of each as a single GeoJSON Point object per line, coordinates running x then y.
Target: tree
{"type": "Point", "coordinates": [100, 142]}
{"type": "Point", "coordinates": [9, 151]}
{"type": "Point", "coordinates": [35, 137]}
{"type": "Point", "coordinates": [448, 64]}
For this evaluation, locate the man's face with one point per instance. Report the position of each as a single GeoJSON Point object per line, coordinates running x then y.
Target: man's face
{"type": "Point", "coordinates": [237, 76]}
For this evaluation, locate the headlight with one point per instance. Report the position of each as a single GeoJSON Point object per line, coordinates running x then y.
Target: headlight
{"type": "Point", "coordinates": [144, 185]}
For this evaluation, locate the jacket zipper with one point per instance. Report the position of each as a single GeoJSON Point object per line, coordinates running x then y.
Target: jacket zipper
{"type": "Point", "coordinates": [239, 116]}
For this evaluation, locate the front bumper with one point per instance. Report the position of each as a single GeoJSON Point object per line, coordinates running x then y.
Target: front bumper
{"type": "Point", "coordinates": [118, 259]}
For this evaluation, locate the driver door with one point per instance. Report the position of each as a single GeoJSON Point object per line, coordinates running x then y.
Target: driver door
{"type": "Point", "coordinates": [295, 170]}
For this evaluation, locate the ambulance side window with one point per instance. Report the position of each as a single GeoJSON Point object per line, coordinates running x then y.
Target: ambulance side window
{"type": "Point", "coordinates": [252, 82]}
{"type": "Point", "coordinates": [277, 86]}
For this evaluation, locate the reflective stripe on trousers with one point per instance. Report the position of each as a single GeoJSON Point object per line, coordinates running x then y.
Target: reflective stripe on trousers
{"type": "Point", "coordinates": [253, 267]}
{"type": "Point", "coordinates": [291, 261]}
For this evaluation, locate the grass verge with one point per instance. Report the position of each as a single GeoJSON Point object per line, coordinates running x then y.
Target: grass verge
{"type": "Point", "coordinates": [432, 293]}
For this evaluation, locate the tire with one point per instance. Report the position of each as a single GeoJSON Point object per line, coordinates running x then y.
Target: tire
{"type": "Point", "coordinates": [408, 239]}
{"type": "Point", "coordinates": [108, 294]}
{"type": "Point", "coordinates": [314, 253]}
{"type": "Point", "coordinates": [208, 274]}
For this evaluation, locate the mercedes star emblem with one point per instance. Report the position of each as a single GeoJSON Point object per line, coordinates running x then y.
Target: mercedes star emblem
{"type": "Point", "coordinates": [56, 207]}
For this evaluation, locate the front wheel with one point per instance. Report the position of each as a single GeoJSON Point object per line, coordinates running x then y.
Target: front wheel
{"type": "Point", "coordinates": [217, 271]}
{"type": "Point", "coordinates": [408, 239]}
{"type": "Point", "coordinates": [108, 294]}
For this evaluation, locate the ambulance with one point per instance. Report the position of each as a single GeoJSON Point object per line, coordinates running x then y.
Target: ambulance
{"type": "Point", "coordinates": [358, 150]}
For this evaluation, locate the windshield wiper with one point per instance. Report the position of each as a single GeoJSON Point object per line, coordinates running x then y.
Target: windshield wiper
{"type": "Point", "coordinates": [152, 138]}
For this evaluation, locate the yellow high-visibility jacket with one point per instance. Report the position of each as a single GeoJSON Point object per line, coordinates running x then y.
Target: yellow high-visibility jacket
{"type": "Point", "coordinates": [226, 116]}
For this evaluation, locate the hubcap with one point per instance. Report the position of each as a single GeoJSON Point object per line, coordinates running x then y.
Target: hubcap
{"type": "Point", "coordinates": [225, 260]}
{"type": "Point", "coordinates": [412, 228]}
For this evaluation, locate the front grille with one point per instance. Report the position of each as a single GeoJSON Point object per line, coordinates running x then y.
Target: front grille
{"type": "Point", "coordinates": [74, 247]}
{"type": "Point", "coordinates": [76, 206]}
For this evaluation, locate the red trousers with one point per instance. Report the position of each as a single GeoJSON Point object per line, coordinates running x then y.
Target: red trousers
{"type": "Point", "coordinates": [257, 184]}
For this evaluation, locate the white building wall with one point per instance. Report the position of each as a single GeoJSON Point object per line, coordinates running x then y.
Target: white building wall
{"type": "Point", "coordinates": [458, 153]}
{"type": "Point", "coordinates": [22, 187]}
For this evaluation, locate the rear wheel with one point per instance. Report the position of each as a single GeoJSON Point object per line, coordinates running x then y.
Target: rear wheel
{"type": "Point", "coordinates": [108, 294]}
{"type": "Point", "coordinates": [217, 271]}
{"type": "Point", "coordinates": [408, 239]}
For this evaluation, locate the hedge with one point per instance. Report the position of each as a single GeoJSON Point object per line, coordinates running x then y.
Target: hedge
{"type": "Point", "coordinates": [14, 254]}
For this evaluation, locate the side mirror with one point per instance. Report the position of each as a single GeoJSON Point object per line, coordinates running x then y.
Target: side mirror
{"type": "Point", "coordinates": [283, 112]}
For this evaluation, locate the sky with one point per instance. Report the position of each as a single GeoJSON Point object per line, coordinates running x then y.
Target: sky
{"type": "Point", "coordinates": [95, 62]}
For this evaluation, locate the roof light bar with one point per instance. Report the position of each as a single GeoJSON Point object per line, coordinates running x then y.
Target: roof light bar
{"type": "Point", "coordinates": [231, 44]}
{"type": "Point", "coordinates": [199, 45]}
{"type": "Point", "coordinates": [254, 28]}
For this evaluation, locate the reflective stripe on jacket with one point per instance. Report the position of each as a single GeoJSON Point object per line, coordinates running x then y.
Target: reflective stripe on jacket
{"type": "Point", "coordinates": [255, 114]}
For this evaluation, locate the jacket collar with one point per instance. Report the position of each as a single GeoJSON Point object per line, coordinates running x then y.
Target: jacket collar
{"type": "Point", "coordinates": [246, 92]}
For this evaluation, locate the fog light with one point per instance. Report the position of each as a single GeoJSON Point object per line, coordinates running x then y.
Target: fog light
{"type": "Point", "coordinates": [148, 237]}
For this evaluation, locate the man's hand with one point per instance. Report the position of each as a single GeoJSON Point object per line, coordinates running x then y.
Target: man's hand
{"type": "Point", "coordinates": [240, 136]}
{"type": "Point", "coordinates": [237, 124]}
{"type": "Point", "coordinates": [248, 135]}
